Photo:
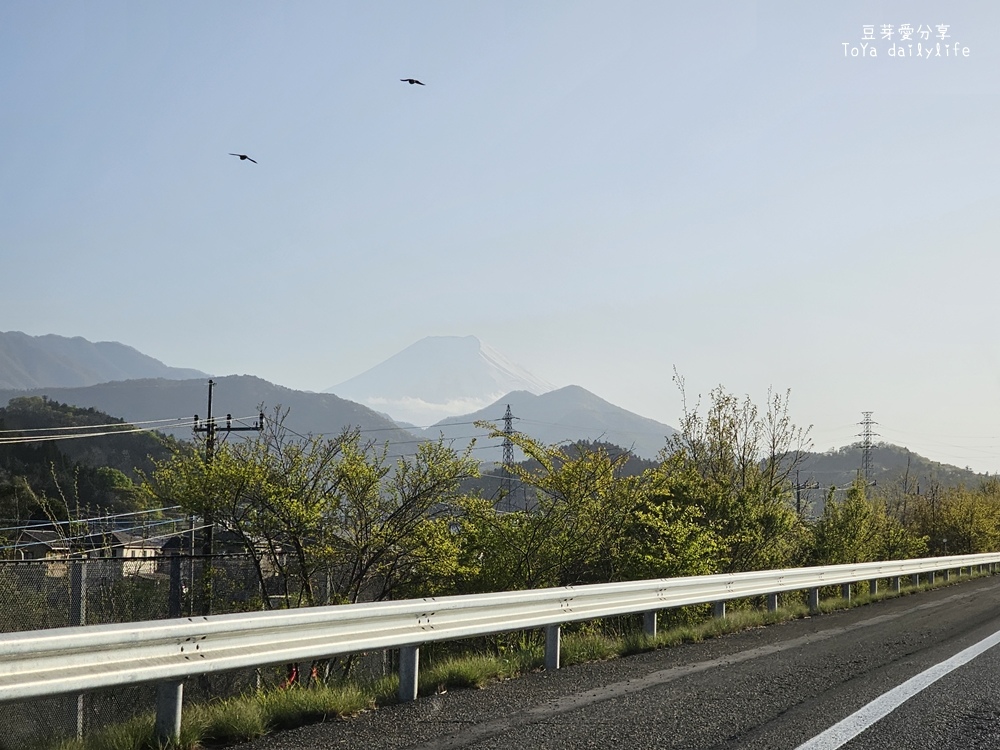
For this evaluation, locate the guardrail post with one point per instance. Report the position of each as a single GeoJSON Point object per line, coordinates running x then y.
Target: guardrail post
{"type": "Point", "coordinates": [772, 602]}
{"type": "Point", "coordinates": [169, 697]}
{"type": "Point", "coordinates": [915, 579]}
{"type": "Point", "coordinates": [873, 587]}
{"type": "Point", "coordinates": [814, 600]}
{"type": "Point", "coordinates": [946, 574]}
{"type": "Point", "coordinates": [719, 610]}
{"type": "Point", "coordinates": [409, 667]}
{"type": "Point", "coordinates": [649, 623]}
{"type": "Point", "coordinates": [552, 639]}
{"type": "Point", "coordinates": [897, 584]}
{"type": "Point", "coordinates": [845, 591]}
{"type": "Point", "coordinates": [930, 577]}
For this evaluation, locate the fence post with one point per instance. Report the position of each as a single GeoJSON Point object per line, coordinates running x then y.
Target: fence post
{"type": "Point", "coordinates": [78, 592]}
{"type": "Point", "coordinates": [552, 643]}
{"type": "Point", "coordinates": [169, 697]}
{"type": "Point", "coordinates": [174, 595]}
{"type": "Point", "coordinates": [649, 623]}
{"type": "Point", "coordinates": [409, 672]}
{"type": "Point", "coordinates": [78, 616]}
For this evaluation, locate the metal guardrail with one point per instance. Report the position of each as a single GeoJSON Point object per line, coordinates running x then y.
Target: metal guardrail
{"type": "Point", "coordinates": [79, 659]}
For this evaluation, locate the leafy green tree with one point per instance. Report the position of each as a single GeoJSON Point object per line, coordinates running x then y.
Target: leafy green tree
{"type": "Point", "coordinates": [736, 463]}
{"type": "Point", "coordinates": [395, 518]}
{"type": "Point", "coordinates": [961, 520]}
{"type": "Point", "coordinates": [859, 529]}
{"type": "Point", "coordinates": [329, 518]}
{"type": "Point", "coordinates": [667, 535]}
{"type": "Point", "coordinates": [591, 521]}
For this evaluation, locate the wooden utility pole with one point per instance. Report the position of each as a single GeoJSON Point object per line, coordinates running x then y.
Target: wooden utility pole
{"type": "Point", "coordinates": [814, 485]}
{"type": "Point", "coordinates": [208, 545]}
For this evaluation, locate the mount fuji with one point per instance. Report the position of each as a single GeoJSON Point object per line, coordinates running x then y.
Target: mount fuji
{"type": "Point", "coordinates": [438, 377]}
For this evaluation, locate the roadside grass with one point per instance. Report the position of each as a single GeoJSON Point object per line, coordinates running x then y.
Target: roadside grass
{"type": "Point", "coordinates": [253, 715]}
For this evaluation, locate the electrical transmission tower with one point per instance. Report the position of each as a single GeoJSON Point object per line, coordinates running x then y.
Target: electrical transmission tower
{"type": "Point", "coordinates": [508, 458]}
{"type": "Point", "coordinates": [867, 445]}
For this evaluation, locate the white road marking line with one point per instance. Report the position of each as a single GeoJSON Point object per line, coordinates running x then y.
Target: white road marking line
{"type": "Point", "coordinates": [849, 728]}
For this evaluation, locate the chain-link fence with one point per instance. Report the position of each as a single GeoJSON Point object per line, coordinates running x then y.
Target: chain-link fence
{"type": "Point", "coordinates": [53, 593]}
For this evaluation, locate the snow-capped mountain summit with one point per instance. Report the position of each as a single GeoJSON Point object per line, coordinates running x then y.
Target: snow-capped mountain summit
{"type": "Point", "coordinates": [439, 377]}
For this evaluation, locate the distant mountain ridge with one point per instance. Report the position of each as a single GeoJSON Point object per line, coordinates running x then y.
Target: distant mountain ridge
{"type": "Point", "coordinates": [239, 395]}
{"type": "Point", "coordinates": [555, 417]}
{"type": "Point", "coordinates": [549, 415]}
{"type": "Point", "coordinates": [438, 377]}
{"type": "Point", "coordinates": [57, 361]}
{"type": "Point", "coordinates": [569, 414]}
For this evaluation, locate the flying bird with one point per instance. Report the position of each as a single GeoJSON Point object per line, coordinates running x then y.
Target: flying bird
{"type": "Point", "coordinates": [412, 81]}
{"type": "Point", "coordinates": [244, 156]}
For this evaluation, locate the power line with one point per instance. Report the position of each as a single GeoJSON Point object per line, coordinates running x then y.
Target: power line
{"type": "Point", "coordinates": [145, 539]}
{"type": "Point", "coordinates": [387, 429]}
{"type": "Point", "coordinates": [172, 534]}
{"type": "Point", "coordinates": [92, 534]}
{"type": "Point", "coordinates": [111, 517]}
{"type": "Point", "coordinates": [581, 427]}
{"type": "Point", "coordinates": [46, 438]}
{"type": "Point", "coordinates": [123, 423]}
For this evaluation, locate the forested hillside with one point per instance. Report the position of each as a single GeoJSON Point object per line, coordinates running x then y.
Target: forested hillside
{"type": "Point", "coordinates": [92, 464]}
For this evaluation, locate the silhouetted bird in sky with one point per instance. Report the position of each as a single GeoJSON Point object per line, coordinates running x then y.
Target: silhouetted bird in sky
{"type": "Point", "coordinates": [412, 81]}
{"type": "Point", "coordinates": [244, 156]}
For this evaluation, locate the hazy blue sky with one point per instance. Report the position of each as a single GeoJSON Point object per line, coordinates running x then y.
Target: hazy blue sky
{"type": "Point", "coordinates": [603, 191]}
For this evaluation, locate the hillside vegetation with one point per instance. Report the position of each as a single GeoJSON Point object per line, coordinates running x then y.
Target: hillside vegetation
{"type": "Point", "coordinates": [46, 479]}
{"type": "Point", "coordinates": [337, 516]}
{"type": "Point", "coordinates": [339, 519]}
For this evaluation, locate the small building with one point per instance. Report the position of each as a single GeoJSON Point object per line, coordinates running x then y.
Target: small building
{"type": "Point", "coordinates": [41, 544]}
{"type": "Point", "coordinates": [44, 544]}
{"type": "Point", "coordinates": [138, 555]}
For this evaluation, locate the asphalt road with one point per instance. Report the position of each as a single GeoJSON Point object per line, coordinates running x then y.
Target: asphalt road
{"type": "Point", "coordinates": [774, 687]}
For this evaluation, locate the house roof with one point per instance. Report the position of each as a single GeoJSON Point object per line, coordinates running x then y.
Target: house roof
{"type": "Point", "coordinates": [52, 539]}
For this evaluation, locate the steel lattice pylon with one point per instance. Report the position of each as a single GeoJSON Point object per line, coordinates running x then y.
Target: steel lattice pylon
{"type": "Point", "coordinates": [867, 445]}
